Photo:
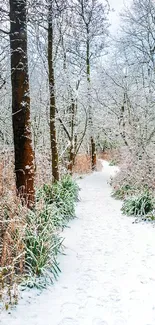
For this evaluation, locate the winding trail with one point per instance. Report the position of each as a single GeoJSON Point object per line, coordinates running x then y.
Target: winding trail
{"type": "Point", "coordinates": [108, 275]}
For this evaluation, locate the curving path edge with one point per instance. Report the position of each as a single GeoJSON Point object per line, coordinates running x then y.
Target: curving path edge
{"type": "Point", "coordinates": [108, 275]}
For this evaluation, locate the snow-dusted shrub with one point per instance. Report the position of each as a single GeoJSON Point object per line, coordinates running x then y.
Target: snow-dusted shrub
{"type": "Point", "coordinates": [55, 206]}
{"type": "Point", "coordinates": [64, 194]}
{"type": "Point", "coordinates": [30, 240]}
{"type": "Point", "coordinates": [12, 248]}
{"type": "Point", "coordinates": [122, 191]}
{"type": "Point", "coordinates": [42, 244]}
{"type": "Point", "coordinates": [138, 205]}
{"type": "Point", "coordinates": [135, 174]}
{"type": "Point", "coordinates": [113, 162]}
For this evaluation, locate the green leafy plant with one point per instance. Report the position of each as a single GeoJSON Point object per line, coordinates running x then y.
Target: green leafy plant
{"type": "Point", "coordinates": [64, 194]}
{"type": "Point", "coordinates": [52, 212]}
{"type": "Point", "coordinates": [122, 191]}
{"type": "Point", "coordinates": [113, 162]}
{"type": "Point", "coordinates": [42, 242]}
{"type": "Point", "coordinates": [70, 186]}
{"type": "Point", "coordinates": [138, 205]}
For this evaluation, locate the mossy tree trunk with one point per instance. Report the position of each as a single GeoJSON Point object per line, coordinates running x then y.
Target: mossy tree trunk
{"type": "Point", "coordinates": [24, 155]}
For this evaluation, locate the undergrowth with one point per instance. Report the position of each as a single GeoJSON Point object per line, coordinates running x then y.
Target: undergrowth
{"type": "Point", "coordinates": [139, 205]}
{"type": "Point", "coordinates": [136, 188]}
{"type": "Point", "coordinates": [31, 240]}
{"type": "Point", "coordinates": [122, 191]}
{"type": "Point", "coordinates": [113, 162]}
{"type": "Point", "coordinates": [63, 194]}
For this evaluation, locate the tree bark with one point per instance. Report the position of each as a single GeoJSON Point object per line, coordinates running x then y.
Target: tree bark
{"type": "Point", "coordinates": [24, 155]}
{"type": "Point", "coordinates": [90, 122]}
{"type": "Point", "coordinates": [71, 158]}
{"type": "Point", "coordinates": [93, 154]}
{"type": "Point", "coordinates": [72, 147]}
{"type": "Point", "coordinates": [53, 138]}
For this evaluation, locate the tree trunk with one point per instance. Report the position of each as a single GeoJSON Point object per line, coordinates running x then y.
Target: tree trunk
{"type": "Point", "coordinates": [71, 159]}
{"type": "Point", "coordinates": [24, 155]}
{"type": "Point", "coordinates": [72, 148]}
{"type": "Point", "coordinates": [90, 122]}
{"type": "Point", "coordinates": [54, 150]}
{"type": "Point", "coordinates": [93, 154]}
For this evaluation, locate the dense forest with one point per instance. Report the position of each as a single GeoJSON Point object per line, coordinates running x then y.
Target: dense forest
{"type": "Point", "coordinates": [70, 94]}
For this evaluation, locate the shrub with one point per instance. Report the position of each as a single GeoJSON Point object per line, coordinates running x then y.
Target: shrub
{"type": "Point", "coordinates": [70, 186]}
{"type": "Point", "coordinates": [122, 191]}
{"type": "Point", "coordinates": [42, 245]}
{"type": "Point", "coordinates": [42, 242]}
{"type": "Point", "coordinates": [12, 254]}
{"type": "Point", "coordinates": [113, 162]}
{"type": "Point", "coordinates": [30, 240]}
{"type": "Point", "coordinates": [51, 211]}
{"type": "Point", "coordinates": [138, 205]}
{"type": "Point", "coordinates": [64, 194]}
{"type": "Point", "coordinates": [138, 173]}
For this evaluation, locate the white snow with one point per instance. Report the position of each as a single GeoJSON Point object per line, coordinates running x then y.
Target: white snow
{"type": "Point", "coordinates": [108, 273]}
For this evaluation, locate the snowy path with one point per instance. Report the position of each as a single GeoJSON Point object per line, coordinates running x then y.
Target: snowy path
{"type": "Point", "coordinates": [108, 275]}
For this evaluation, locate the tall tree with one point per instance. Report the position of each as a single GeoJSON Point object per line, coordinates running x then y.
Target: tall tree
{"type": "Point", "coordinates": [24, 155]}
{"type": "Point", "coordinates": [92, 26]}
{"type": "Point", "coordinates": [54, 150]}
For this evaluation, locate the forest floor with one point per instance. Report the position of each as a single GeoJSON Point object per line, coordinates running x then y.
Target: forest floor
{"type": "Point", "coordinates": [108, 272]}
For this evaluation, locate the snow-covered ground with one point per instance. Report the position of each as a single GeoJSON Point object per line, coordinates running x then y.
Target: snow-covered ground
{"type": "Point", "coordinates": [108, 273]}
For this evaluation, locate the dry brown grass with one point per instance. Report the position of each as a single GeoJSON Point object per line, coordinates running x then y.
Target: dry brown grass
{"type": "Point", "coordinates": [12, 219]}
{"type": "Point", "coordinates": [13, 223]}
{"type": "Point", "coordinates": [12, 228]}
{"type": "Point", "coordinates": [109, 155]}
{"type": "Point", "coordinates": [13, 216]}
{"type": "Point", "coordinates": [7, 178]}
{"type": "Point", "coordinates": [43, 169]}
{"type": "Point", "coordinates": [82, 164]}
